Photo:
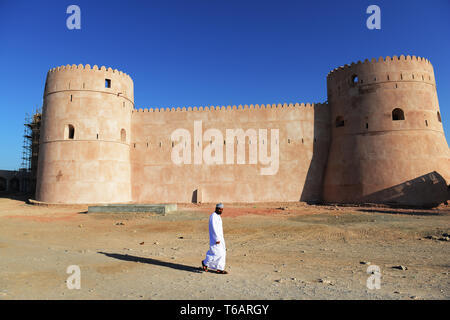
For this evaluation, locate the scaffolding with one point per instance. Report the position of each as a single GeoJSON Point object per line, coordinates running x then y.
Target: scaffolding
{"type": "Point", "coordinates": [30, 149]}
{"type": "Point", "coordinates": [27, 141]}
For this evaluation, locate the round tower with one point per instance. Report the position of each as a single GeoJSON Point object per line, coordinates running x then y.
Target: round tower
{"type": "Point", "coordinates": [84, 154]}
{"type": "Point", "coordinates": [387, 139]}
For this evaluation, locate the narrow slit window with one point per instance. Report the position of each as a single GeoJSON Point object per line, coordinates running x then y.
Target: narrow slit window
{"type": "Point", "coordinates": [426, 123]}
{"type": "Point", "coordinates": [69, 132]}
{"type": "Point", "coordinates": [107, 83]}
{"type": "Point", "coordinates": [439, 117]}
{"type": "Point", "coordinates": [123, 135]}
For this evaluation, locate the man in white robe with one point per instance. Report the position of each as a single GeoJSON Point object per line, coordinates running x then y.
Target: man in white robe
{"type": "Point", "coordinates": [215, 257]}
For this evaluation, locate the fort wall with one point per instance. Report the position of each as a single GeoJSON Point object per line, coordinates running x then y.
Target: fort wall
{"type": "Point", "coordinates": [302, 145]}
{"type": "Point", "coordinates": [378, 138]}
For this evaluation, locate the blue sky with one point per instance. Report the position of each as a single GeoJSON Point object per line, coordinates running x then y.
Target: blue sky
{"type": "Point", "coordinates": [209, 52]}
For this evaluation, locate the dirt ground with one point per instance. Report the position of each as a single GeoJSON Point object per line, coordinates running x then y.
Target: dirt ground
{"type": "Point", "coordinates": [274, 251]}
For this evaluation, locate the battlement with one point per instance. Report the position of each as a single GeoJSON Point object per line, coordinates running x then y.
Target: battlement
{"type": "Point", "coordinates": [86, 78]}
{"type": "Point", "coordinates": [87, 67]}
{"type": "Point", "coordinates": [418, 61]}
{"type": "Point", "coordinates": [279, 106]}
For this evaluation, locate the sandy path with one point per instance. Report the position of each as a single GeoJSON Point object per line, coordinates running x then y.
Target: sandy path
{"type": "Point", "coordinates": [274, 251]}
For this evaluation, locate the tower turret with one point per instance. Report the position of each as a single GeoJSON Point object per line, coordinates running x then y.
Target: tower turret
{"type": "Point", "coordinates": [84, 154]}
{"type": "Point", "coordinates": [387, 138]}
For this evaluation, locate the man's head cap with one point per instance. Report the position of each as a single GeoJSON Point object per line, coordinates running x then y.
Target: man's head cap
{"type": "Point", "coordinates": [219, 205]}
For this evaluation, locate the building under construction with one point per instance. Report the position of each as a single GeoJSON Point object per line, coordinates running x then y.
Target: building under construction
{"type": "Point", "coordinates": [24, 179]}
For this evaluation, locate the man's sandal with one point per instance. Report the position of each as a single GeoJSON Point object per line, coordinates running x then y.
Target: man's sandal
{"type": "Point", "coordinates": [204, 268]}
{"type": "Point", "coordinates": [221, 272]}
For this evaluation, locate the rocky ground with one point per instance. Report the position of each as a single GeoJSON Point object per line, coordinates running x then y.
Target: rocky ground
{"type": "Point", "coordinates": [274, 251]}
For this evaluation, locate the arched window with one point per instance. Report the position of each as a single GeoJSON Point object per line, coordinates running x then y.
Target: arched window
{"type": "Point", "coordinates": [123, 135]}
{"type": "Point", "coordinates": [398, 114]}
{"type": "Point", "coordinates": [69, 132]}
{"type": "Point", "coordinates": [339, 121]}
{"type": "Point", "coordinates": [439, 117]}
{"type": "Point", "coordinates": [355, 79]}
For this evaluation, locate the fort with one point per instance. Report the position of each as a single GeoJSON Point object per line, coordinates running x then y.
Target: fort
{"type": "Point", "coordinates": [377, 139]}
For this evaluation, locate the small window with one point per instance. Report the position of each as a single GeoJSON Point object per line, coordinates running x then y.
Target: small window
{"type": "Point", "coordinates": [426, 123]}
{"type": "Point", "coordinates": [123, 135]}
{"type": "Point", "coordinates": [398, 114]}
{"type": "Point", "coordinates": [355, 79]}
{"type": "Point", "coordinates": [367, 125]}
{"type": "Point", "coordinates": [439, 117]}
{"type": "Point", "coordinates": [107, 83]}
{"type": "Point", "coordinates": [69, 132]}
{"type": "Point", "coordinates": [339, 122]}
{"type": "Point", "coordinates": [70, 98]}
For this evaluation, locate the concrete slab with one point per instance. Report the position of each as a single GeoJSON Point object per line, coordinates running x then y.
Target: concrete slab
{"type": "Point", "coordinates": [123, 208]}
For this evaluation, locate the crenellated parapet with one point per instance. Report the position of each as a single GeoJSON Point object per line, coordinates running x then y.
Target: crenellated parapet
{"type": "Point", "coordinates": [279, 106]}
{"type": "Point", "coordinates": [386, 71]}
{"type": "Point", "coordinates": [79, 77]}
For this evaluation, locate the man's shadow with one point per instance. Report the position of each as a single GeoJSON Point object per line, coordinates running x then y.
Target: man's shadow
{"type": "Point", "coordinates": [176, 266]}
